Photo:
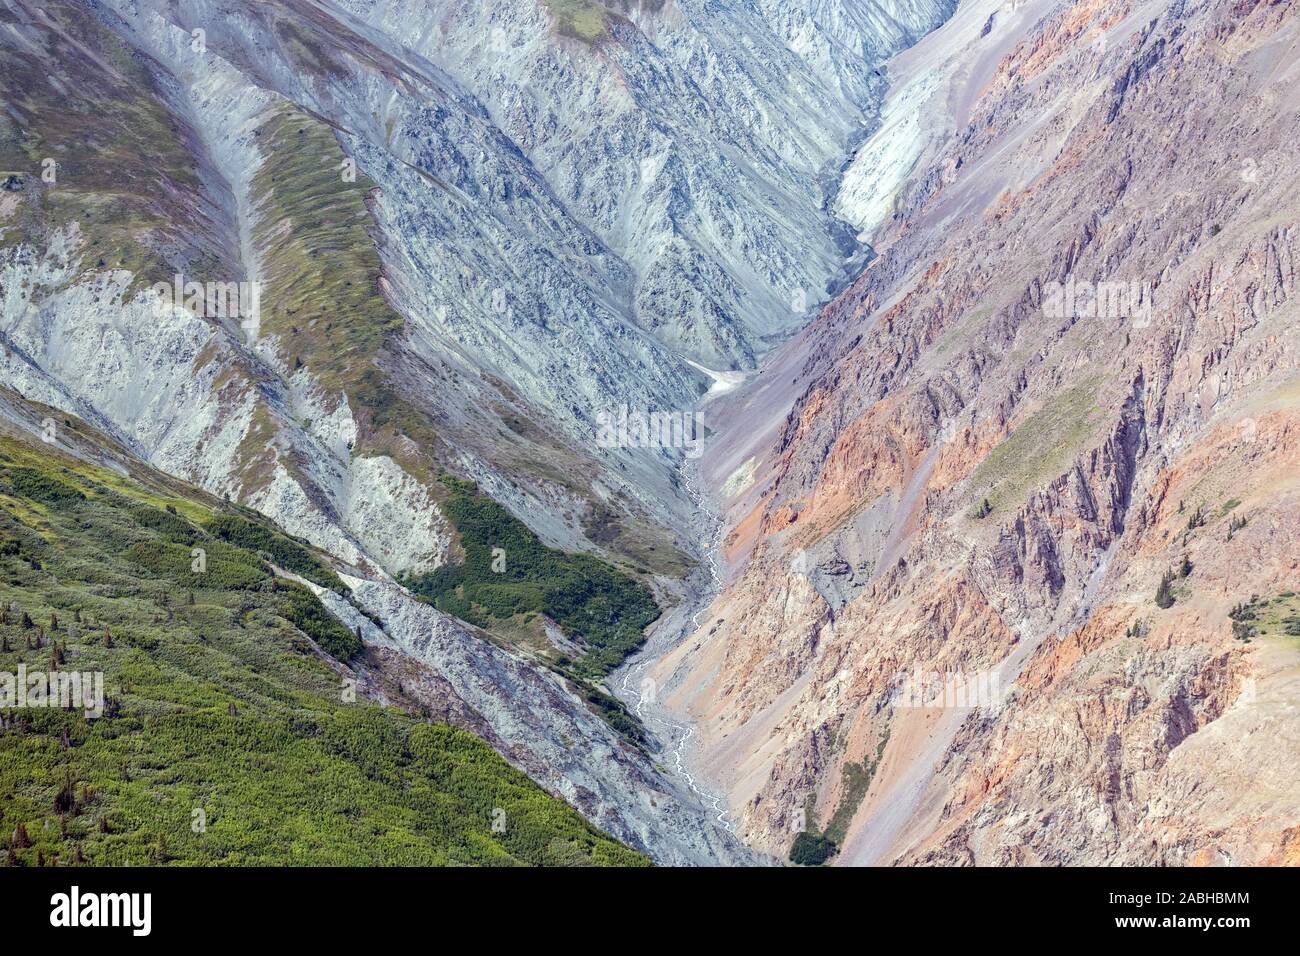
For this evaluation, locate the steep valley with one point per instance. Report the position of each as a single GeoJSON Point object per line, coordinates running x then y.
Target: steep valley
{"type": "Point", "coordinates": [972, 326]}
{"type": "Point", "coordinates": [375, 270]}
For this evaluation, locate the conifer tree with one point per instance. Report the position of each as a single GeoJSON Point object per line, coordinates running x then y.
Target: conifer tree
{"type": "Point", "coordinates": [1165, 593]}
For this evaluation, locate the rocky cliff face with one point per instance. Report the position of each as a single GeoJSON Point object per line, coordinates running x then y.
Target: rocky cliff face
{"type": "Point", "coordinates": [465, 229]}
{"type": "Point", "coordinates": [1041, 453]}
{"type": "Point", "coordinates": [533, 215]}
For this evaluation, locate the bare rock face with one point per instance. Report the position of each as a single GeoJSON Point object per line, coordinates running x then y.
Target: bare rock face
{"type": "Point", "coordinates": [474, 226]}
{"type": "Point", "coordinates": [1044, 450]}
{"type": "Point", "coordinates": [544, 728]}
{"type": "Point", "coordinates": [535, 213]}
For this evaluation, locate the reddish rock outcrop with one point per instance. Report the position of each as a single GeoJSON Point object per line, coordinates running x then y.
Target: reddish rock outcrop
{"type": "Point", "coordinates": [1071, 374]}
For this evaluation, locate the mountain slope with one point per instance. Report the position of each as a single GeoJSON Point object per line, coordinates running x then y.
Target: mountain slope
{"type": "Point", "coordinates": [1047, 441]}
{"type": "Point", "coordinates": [493, 308]}
{"type": "Point", "coordinates": [228, 734]}
{"type": "Point", "coordinates": [470, 229]}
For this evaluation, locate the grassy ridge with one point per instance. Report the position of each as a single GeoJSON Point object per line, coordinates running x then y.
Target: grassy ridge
{"type": "Point", "coordinates": [126, 172]}
{"type": "Point", "coordinates": [323, 277]}
{"type": "Point", "coordinates": [227, 738]}
{"type": "Point", "coordinates": [1037, 450]}
{"type": "Point", "coordinates": [580, 19]}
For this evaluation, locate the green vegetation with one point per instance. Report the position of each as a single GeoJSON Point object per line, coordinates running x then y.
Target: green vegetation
{"type": "Point", "coordinates": [1165, 593]}
{"type": "Point", "coordinates": [124, 171]}
{"type": "Point", "coordinates": [30, 483]}
{"type": "Point", "coordinates": [507, 572]}
{"type": "Point", "coordinates": [168, 523]}
{"type": "Point", "coordinates": [1040, 448]}
{"type": "Point", "coordinates": [223, 567]}
{"type": "Point", "coordinates": [855, 781]}
{"type": "Point", "coordinates": [811, 850]}
{"type": "Point", "coordinates": [306, 613]}
{"type": "Point", "coordinates": [581, 19]}
{"type": "Point", "coordinates": [226, 737]}
{"type": "Point", "coordinates": [1264, 617]}
{"type": "Point", "coordinates": [1243, 617]}
{"type": "Point", "coordinates": [322, 293]}
{"type": "Point", "coordinates": [285, 552]}
{"type": "Point", "coordinates": [608, 707]}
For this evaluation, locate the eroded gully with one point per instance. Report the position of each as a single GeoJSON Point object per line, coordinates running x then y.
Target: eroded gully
{"type": "Point", "coordinates": [682, 621]}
